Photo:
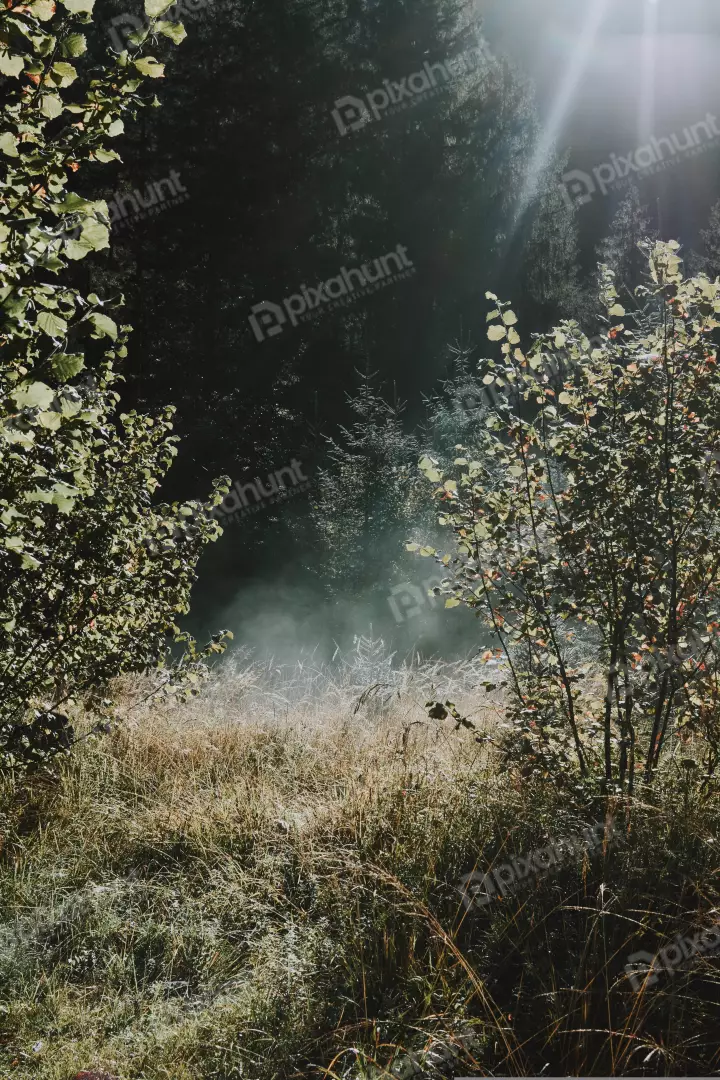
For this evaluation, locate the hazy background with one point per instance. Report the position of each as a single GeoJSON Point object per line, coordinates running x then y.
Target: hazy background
{"type": "Point", "coordinates": [468, 182]}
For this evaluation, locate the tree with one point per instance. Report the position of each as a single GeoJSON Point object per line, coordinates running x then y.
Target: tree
{"type": "Point", "coordinates": [542, 250]}
{"type": "Point", "coordinates": [365, 497]}
{"type": "Point", "coordinates": [92, 576]}
{"type": "Point", "coordinates": [281, 198]}
{"type": "Point", "coordinates": [456, 412]}
{"type": "Point", "coordinates": [710, 263]}
{"type": "Point", "coordinates": [604, 525]}
{"type": "Point", "coordinates": [551, 260]}
{"type": "Point", "coordinates": [620, 250]}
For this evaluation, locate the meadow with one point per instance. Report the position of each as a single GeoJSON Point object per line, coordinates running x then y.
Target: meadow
{"type": "Point", "coordinates": [265, 883]}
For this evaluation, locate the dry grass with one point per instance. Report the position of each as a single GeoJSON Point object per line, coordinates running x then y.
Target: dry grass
{"type": "Point", "coordinates": [263, 884]}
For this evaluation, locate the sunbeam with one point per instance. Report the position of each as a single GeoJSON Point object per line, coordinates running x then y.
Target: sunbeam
{"type": "Point", "coordinates": [596, 15]}
{"type": "Point", "coordinates": [646, 114]}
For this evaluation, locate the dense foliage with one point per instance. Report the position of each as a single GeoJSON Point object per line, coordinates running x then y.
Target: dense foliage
{"type": "Point", "coordinates": [92, 576]}
{"type": "Point", "coordinates": [588, 510]}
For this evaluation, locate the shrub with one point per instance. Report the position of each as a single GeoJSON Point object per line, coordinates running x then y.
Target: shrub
{"type": "Point", "coordinates": [587, 510]}
{"type": "Point", "coordinates": [92, 576]}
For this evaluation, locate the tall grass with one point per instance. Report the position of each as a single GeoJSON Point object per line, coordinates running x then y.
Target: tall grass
{"type": "Point", "coordinates": [264, 884]}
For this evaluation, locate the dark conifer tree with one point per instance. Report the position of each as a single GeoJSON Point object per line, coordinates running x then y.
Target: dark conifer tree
{"type": "Point", "coordinates": [550, 274]}
{"type": "Point", "coordinates": [458, 409]}
{"type": "Point", "coordinates": [366, 497]}
{"type": "Point", "coordinates": [279, 199]}
{"type": "Point", "coordinates": [710, 261]}
{"type": "Point", "coordinates": [619, 250]}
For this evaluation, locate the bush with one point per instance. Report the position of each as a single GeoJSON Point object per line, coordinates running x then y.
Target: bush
{"type": "Point", "coordinates": [587, 511]}
{"type": "Point", "coordinates": [92, 577]}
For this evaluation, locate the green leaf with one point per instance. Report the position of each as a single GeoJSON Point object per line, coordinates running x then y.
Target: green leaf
{"type": "Point", "coordinates": [64, 74]}
{"type": "Point", "coordinates": [173, 30]}
{"type": "Point", "coordinates": [116, 128]}
{"type": "Point", "coordinates": [94, 237]}
{"type": "Point", "coordinates": [51, 324]}
{"type": "Point", "coordinates": [104, 326]}
{"type": "Point", "coordinates": [105, 155]}
{"type": "Point", "coordinates": [79, 7]}
{"type": "Point", "coordinates": [42, 9]}
{"type": "Point", "coordinates": [51, 105]}
{"type": "Point", "coordinates": [8, 144]}
{"type": "Point", "coordinates": [10, 65]}
{"type": "Point", "coordinates": [69, 405]}
{"type": "Point", "coordinates": [452, 602]}
{"type": "Point", "coordinates": [153, 8]}
{"type": "Point", "coordinates": [73, 45]}
{"type": "Point", "coordinates": [49, 420]}
{"type": "Point", "coordinates": [34, 395]}
{"type": "Point", "coordinates": [151, 67]}
{"type": "Point", "coordinates": [66, 365]}
{"type": "Point", "coordinates": [509, 318]}
{"type": "Point", "coordinates": [63, 496]}
{"type": "Point", "coordinates": [73, 202]}
{"type": "Point", "coordinates": [617, 309]}
{"type": "Point", "coordinates": [496, 333]}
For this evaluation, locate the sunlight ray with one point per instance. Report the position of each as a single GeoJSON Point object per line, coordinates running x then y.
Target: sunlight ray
{"type": "Point", "coordinates": [571, 80]}
{"type": "Point", "coordinates": [646, 114]}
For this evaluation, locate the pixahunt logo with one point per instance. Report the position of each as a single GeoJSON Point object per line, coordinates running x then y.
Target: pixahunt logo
{"type": "Point", "coordinates": [269, 319]}
{"type": "Point", "coordinates": [236, 504]}
{"type": "Point", "coordinates": [643, 969]}
{"type": "Point", "coordinates": [478, 890]}
{"type": "Point", "coordinates": [352, 113]}
{"type": "Point", "coordinates": [128, 207]}
{"type": "Point", "coordinates": [407, 601]}
{"type": "Point", "coordinates": [578, 187]}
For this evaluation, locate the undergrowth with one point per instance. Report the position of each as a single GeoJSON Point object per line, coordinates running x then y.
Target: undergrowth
{"type": "Point", "coordinates": [264, 884]}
